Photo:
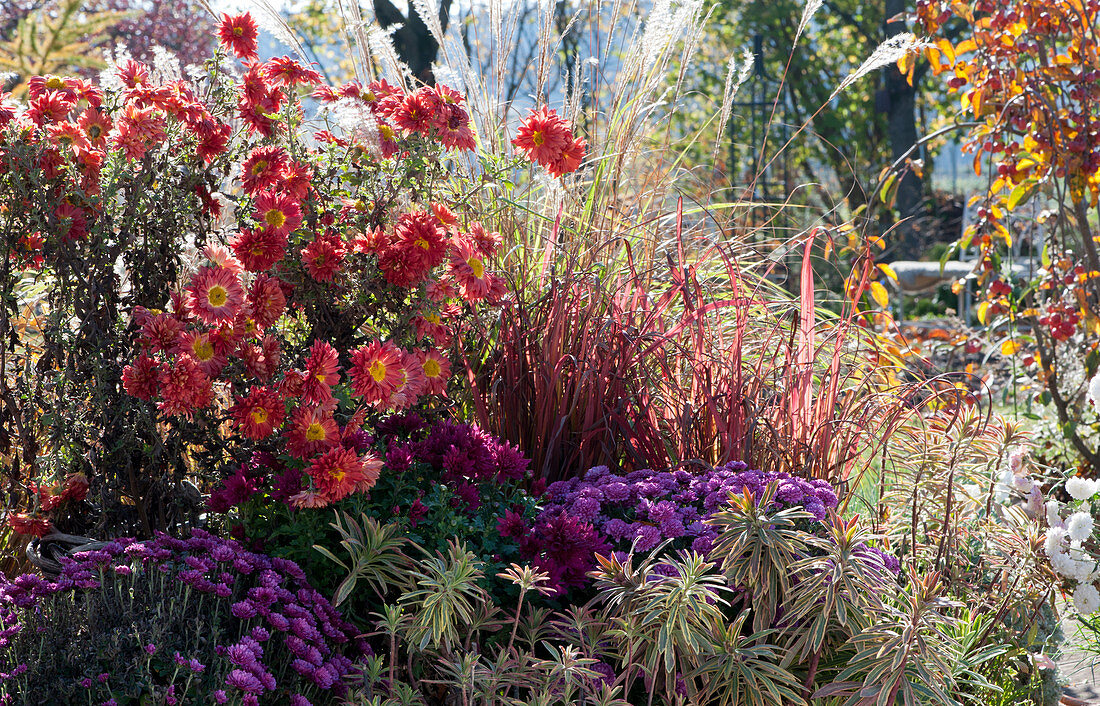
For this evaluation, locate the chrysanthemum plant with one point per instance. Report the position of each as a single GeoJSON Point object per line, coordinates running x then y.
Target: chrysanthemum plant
{"type": "Point", "coordinates": [331, 269]}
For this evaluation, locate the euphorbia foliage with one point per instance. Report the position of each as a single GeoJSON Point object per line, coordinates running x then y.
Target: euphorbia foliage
{"type": "Point", "coordinates": [310, 276]}
{"type": "Point", "coordinates": [1028, 77]}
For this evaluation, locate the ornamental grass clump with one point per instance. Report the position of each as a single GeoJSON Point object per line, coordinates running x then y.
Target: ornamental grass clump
{"type": "Point", "coordinates": [192, 621]}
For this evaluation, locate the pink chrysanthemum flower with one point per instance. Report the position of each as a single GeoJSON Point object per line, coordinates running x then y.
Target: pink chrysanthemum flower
{"type": "Point", "coordinates": [284, 71]}
{"type": "Point", "coordinates": [311, 431]}
{"type": "Point", "coordinates": [372, 468]}
{"type": "Point", "coordinates": [259, 414]}
{"type": "Point", "coordinates": [279, 213]}
{"type": "Point", "coordinates": [215, 295]}
{"type": "Point", "coordinates": [223, 257]}
{"type": "Point", "coordinates": [308, 499]}
{"type": "Point", "coordinates": [436, 370]}
{"type": "Point", "coordinates": [142, 378]}
{"type": "Point", "coordinates": [322, 373]}
{"type": "Point", "coordinates": [376, 371]}
{"type": "Point", "coordinates": [239, 33]}
{"type": "Point", "coordinates": [337, 472]}
{"type": "Point", "coordinates": [199, 346]}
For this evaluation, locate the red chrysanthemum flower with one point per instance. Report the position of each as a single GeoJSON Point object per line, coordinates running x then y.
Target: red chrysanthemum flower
{"type": "Point", "coordinates": [258, 250]}
{"type": "Point", "coordinates": [71, 223]}
{"type": "Point", "coordinates": [133, 74]}
{"type": "Point", "coordinates": [64, 86]}
{"type": "Point", "coordinates": [184, 388]}
{"type": "Point", "coordinates": [431, 326]}
{"type": "Point", "coordinates": [213, 139]}
{"type": "Point", "coordinates": [50, 107]}
{"type": "Point", "coordinates": [266, 300]}
{"type": "Point", "coordinates": [324, 257]}
{"type": "Point", "coordinates": [469, 273]}
{"type": "Point", "coordinates": [436, 369]}
{"type": "Point", "coordinates": [263, 168]}
{"type": "Point", "coordinates": [142, 378]}
{"type": "Point", "coordinates": [296, 179]}
{"type": "Point", "coordinates": [238, 32]}
{"type": "Point", "coordinates": [28, 525]}
{"type": "Point", "coordinates": [284, 71]}
{"type": "Point", "coordinates": [548, 140]}
{"type": "Point", "coordinates": [322, 373]}
{"type": "Point", "coordinates": [376, 371]}
{"type": "Point", "coordinates": [454, 130]}
{"type": "Point", "coordinates": [337, 472]}
{"type": "Point", "coordinates": [419, 233]}
{"type": "Point", "coordinates": [95, 124]}
{"type": "Point", "coordinates": [279, 213]}
{"type": "Point", "coordinates": [417, 111]}
{"type": "Point", "coordinates": [262, 360]}
{"type": "Point", "coordinates": [199, 346]}
{"type": "Point", "coordinates": [311, 431]}
{"type": "Point", "coordinates": [259, 414]}
{"type": "Point", "coordinates": [569, 159]}
{"type": "Point", "coordinates": [159, 332]}
{"type": "Point", "coordinates": [308, 499]}
{"type": "Point", "coordinates": [215, 295]}
{"type": "Point", "coordinates": [487, 243]}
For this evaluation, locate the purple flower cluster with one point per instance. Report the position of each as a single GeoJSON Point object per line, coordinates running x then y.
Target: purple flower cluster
{"type": "Point", "coordinates": [645, 507]}
{"type": "Point", "coordinates": [562, 545]}
{"type": "Point", "coordinates": [283, 621]}
{"type": "Point", "coordinates": [464, 452]}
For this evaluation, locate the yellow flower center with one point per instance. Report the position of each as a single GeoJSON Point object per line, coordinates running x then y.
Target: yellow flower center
{"type": "Point", "coordinates": [432, 318]}
{"type": "Point", "coordinates": [320, 377]}
{"type": "Point", "coordinates": [538, 139]}
{"type": "Point", "coordinates": [378, 371]}
{"type": "Point", "coordinates": [259, 415]}
{"type": "Point", "coordinates": [386, 131]}
{"type": "Point", "coordinates": [477, 266]}
{"type": "Point", "coordinates": [94, 131]}
{"type": "Point", "coordinates": [338, 475]}
{"type": "Point", "coordinates": [203, 349]}
{"type": "Point", "coordinates": [259, 167]}
{"type": "Point", "coordinates": [432, 368]}
{"type": "Point", "coordinates": [275, 218]}
{"type": "Point", "coordinates": [315, 432]}
{"type": "Point", "coordinates": [422, 244]}
{"type": "Point", "coordinates": [55, 82]}
{"type": "Point", "coordinates": [238, 31]}
{"type": "Point", "coordinates": [217, 295]}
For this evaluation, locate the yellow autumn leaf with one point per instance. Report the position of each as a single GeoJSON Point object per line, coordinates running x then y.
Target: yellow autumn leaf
{"type": "Point", "coordinates": [1010, 347]}
{"type": "Point", "coordinates": [888, 271]}
{"type": "Point", "coordinates": [983, 311]}
{"type": "Point", "coordinates": [880, 295]}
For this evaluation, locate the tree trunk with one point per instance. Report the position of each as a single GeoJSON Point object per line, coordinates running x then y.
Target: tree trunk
{"type": "Point", "coordinates": [413, 42]}
{"type": "Point", "coordinates": [902, 131]}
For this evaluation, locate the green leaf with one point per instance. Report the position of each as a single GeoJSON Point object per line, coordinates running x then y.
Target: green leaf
{"type": "Point", "coordinates": [1021, 194]}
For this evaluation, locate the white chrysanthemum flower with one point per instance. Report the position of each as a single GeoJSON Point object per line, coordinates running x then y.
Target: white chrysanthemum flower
{"type": "Point", "coordinates": [1094, 391]}
{"type": "Point", "coordinates": [1086, 599]}
{"type": "Point", "coordinates": [1003, 488]}
{"type": "Point", "coordinates": [1079, 526]}
{"type": "Point", "coordinates": [1063, 565]}
{"type": "Point", "coordinates": [1080, 488]}
{"type": "Point", "coordinates": [1054, 540]}
{"type": "Point", "coordinates": [1024, 484]}
{"type": "Point", "coordinates": [1053, 518]}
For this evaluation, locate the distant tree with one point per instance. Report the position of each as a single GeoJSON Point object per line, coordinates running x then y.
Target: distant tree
{"type": "Point", "coordinates": [64, 36]}
{"type": "Point", "coordinates": [873, 123]}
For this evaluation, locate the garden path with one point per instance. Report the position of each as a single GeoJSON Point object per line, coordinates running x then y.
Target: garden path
{"type": "Point", "coordinates": [1080, 669]}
